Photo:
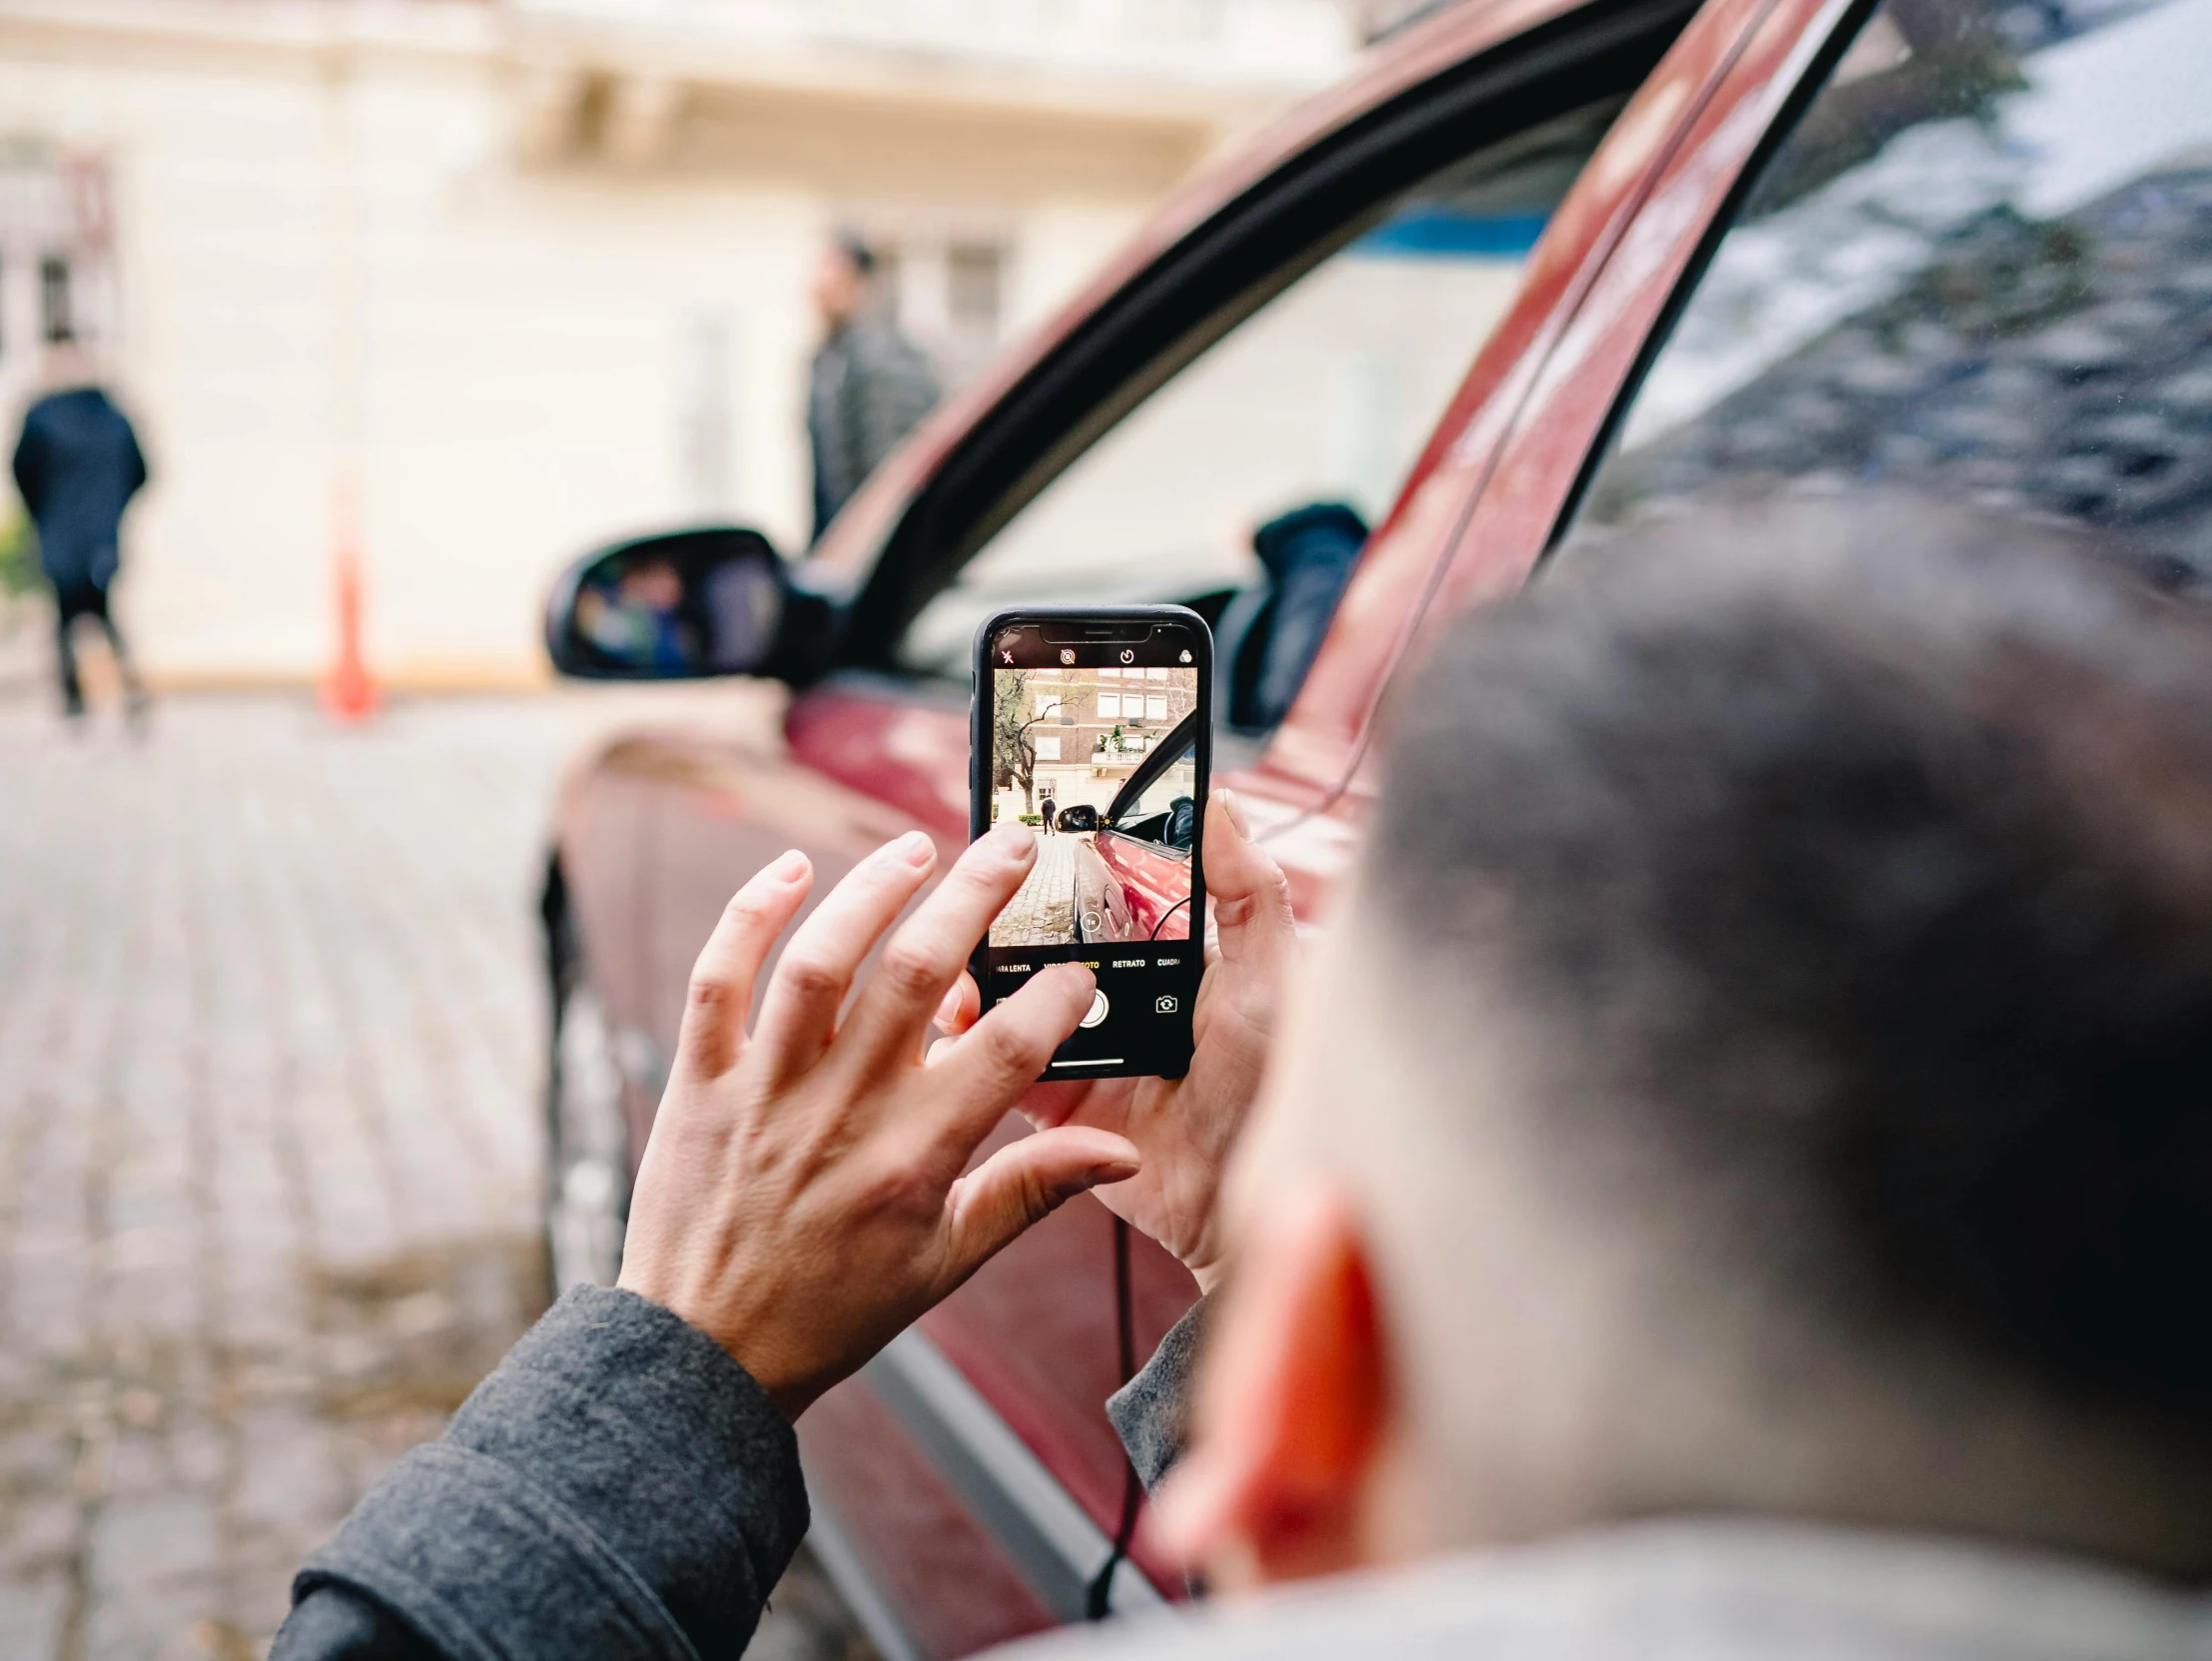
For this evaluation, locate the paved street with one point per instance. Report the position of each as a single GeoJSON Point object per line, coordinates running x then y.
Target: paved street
{"type": "Point", "coordinates": [1044, 911]}
{"type": "Point", "coordinates": [269, 1036]}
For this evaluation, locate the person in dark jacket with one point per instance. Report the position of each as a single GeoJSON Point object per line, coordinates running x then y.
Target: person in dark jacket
{"type": "Point", "coordinates": [78, 465]}
{"type": "Point", "coordinates": [1047, 811]}
{"type": "Point", "coordinates": [870, 385]}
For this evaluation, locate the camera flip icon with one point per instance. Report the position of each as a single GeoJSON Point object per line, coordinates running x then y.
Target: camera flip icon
{"type": "Point", "coordinates": [1166, 1003]}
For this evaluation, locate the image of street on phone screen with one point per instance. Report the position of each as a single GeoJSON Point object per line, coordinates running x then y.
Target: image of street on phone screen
{"type": "Point", "coordinates": [1099, 763]}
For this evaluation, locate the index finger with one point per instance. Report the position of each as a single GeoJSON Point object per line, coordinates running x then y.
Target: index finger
{"type": "Point", "coordinates": [997, 1061]}
{"type": "Point", "coordinates": [925, 956]}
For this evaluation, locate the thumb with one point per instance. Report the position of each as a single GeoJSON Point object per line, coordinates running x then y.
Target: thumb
{"type": "Point", "coordinates": [1025, 1181]}
{"type": "Point", "coordinates": [1251, 897]}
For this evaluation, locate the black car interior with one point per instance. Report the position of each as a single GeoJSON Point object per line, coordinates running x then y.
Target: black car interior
{"type": "Point", "coordinates": [1173, 828]}
{"type": "Point", "coordinates": [1268, 635]}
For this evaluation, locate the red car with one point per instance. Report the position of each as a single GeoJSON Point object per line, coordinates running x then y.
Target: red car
{"type": "Point", "coordinates": [1537, 268]}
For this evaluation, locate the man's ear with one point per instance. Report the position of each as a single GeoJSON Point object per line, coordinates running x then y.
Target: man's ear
{"type": "Point", "coordinates": [1293, 1409]}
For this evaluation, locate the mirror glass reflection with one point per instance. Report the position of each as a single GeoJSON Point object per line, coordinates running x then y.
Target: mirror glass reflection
{"type": "Point", "coordinates": [672, 607]}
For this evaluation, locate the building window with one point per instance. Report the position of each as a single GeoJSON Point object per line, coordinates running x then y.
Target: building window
{"type": "Point", "coordinates": [1156, 706]}
{"type": "Point", "coordinates": [1047, 749]}
{"type": "Point", "coordinates": [1047, 706]}
{"type": "Point", "coordinates": [947, 293]}
{"type": "Point", "coordinates": [56, 322]}
{"type": "Point", "coordinates": [57, 228]}
{"type": "Point", "coordinates": [1109, 705]}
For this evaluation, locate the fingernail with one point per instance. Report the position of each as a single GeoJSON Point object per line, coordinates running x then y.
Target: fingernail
{"type": "Point", "coordinates": [789, 867]}
{"type": "Point", "coordinates": [1012, 835]}
{"type": "Point", "coordinates": [1236, 810]}
{"type": "Point", "coordinates": [915, 847]}
{"type": "Point", "coordinates": [1118, 1168]}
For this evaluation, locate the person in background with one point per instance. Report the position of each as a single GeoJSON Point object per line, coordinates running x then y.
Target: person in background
{"type": "Point", "coordinates": [1732, 1181]}
{"type": "Point", "coordinates": [1047, 812]}
{"type": "Point", "coordinates": [78, 465]}
{"type": "Point", "coordinates": [870, 384]}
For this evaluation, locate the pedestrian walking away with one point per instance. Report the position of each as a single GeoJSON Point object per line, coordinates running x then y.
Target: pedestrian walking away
{"type": "Point", "coordinates": [1048, 808]}
{"type": "Point", "coordinates": [78, 464]}
{"type": "Point", "coordinates": [870, 385]}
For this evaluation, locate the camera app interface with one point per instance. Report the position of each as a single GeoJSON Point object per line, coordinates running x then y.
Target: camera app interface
{"type": "Point", "coordinates": [1093, 746]}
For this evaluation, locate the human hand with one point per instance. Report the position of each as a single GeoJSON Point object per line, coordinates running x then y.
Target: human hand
{"type": "Point", "coordinates": [801, 1198]}
{"type": "Point", "coordinates": [1185, 1128]}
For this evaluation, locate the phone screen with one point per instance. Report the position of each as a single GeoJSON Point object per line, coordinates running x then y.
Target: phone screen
{"type": "Point", "coordinates": [1093, 731]}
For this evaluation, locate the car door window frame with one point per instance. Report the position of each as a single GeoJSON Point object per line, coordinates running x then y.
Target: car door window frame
{"type": "Point", "coordinates": [1819, 70]}
{"type": "Point", "coordinates": [1179, 741]}
{"type": "Point", "coordinates": [1227, 268]}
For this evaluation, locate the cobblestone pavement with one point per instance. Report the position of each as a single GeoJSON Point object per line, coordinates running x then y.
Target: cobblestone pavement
{"type": "Point", "coordinates": [270, 1038]}
{"type": "Point", "coordinates": [1043, 911]}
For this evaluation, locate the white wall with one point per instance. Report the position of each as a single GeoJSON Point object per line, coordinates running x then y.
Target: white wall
{"type": "Point", "coordinates": [311, 268]}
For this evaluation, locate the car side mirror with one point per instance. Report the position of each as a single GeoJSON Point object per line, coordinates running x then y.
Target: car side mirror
{"type": "Point", "coordinates": [682, 606]}
{"type": "Point", "coordinates": [1081, 817]}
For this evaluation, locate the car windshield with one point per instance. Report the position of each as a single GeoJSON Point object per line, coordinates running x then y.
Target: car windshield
{"type": "Point", "coordinates": [1981, 267]}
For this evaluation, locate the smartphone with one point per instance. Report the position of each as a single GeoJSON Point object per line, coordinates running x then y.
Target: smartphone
{"type": "Point", "coordinates": [1095, 728]}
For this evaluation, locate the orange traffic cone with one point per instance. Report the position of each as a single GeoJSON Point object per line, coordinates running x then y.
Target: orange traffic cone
{"type": "Point", "coordinates": [348, 695]}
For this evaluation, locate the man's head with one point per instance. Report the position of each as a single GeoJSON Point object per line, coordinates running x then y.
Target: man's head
{"type": "Point", "coordinates": [1764, 1063]}
{"type": "Point", "coordinates": [844, 280]}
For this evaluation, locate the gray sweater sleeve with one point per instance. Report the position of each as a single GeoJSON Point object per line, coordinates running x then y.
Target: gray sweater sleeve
{"type": "Point", "coordinates": [618, 1488]}
{"type": "Point", "coordinates": [1151, 1412]}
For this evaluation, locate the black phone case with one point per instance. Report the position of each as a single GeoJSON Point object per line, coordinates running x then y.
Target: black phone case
{"type": "Point", "coordinates": [978, 744]}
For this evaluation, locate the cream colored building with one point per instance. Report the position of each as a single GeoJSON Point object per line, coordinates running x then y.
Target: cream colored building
{"type": "Point", "coordinates": [1091, 730]}
{"type": "Point", "coordinates": [479, 283]}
